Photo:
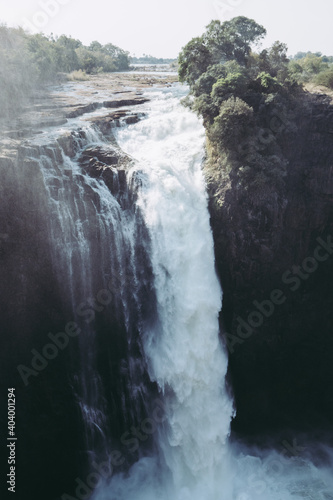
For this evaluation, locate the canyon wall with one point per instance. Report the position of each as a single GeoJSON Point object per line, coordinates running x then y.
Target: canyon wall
{"type": "Point", "coordinates": [274, 257]}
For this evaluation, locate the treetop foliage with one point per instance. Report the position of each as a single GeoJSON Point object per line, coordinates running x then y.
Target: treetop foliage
{"type": "Point", "coordinates": [237, 91]}
{"type": "Point", "coordinates": [231, 40]}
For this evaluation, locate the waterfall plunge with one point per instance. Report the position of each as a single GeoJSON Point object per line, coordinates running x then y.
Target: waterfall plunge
{"type": "Point", "coordinates": [182, 348]}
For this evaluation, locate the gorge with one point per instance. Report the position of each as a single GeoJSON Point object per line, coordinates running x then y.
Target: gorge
{"type": "Point", "coordinates": [114, 338]}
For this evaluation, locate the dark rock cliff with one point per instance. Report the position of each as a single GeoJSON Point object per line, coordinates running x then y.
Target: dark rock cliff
{"type": "Point", "coordinates": [274, 256]}
{"type": "Point", "coordinates": [47, 286]}
{"type": "Point", "coordinates": [75, 287]}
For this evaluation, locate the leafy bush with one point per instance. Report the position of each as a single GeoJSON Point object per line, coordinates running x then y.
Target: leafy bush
{"type": "Point", "coordinates": [205, 82]}
{"type": "Point", "coordinates": [269, 84]}
{"type": "Point", "coordinates": [234, 84]}
{"type": "Point", "coordinates": [312, 64]}
{"type": "Point", "coordinates": [193, 61]}
{"type": "Point", "coordinates": [295, 68]}
{"type": "Point", "coordinates": [78, 75]}
{"type": "Point", "coordinates": [325, 78]}
{"type": "Point", "coordinates": [205, 107]}
{"type": "Point", "coordinates": [232, 123]}
{"type": "Point", "coordinates": [312, 67]}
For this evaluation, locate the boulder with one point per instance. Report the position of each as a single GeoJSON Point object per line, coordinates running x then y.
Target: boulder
{"type": "Point", "coordinates": [67, 144]}
{"type": "Point", "coordinates": [118, 103]}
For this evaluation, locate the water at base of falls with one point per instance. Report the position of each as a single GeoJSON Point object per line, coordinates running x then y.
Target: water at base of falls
{"type": "Point", "coordinates": [193, 459]}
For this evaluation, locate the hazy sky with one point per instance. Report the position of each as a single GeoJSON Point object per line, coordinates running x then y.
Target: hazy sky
{"type": "Point", "coordinates": [162, 28]}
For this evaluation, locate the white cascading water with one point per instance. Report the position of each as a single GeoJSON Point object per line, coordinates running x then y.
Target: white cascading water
{"type": "Point", "coordinates": [183, 351]}
{"type": "Point", "coordinates": [183, 348]}
{"type": "Point", "coordinates": [79, 217]}
{"type": "Point", "coordinates": [67, 232]}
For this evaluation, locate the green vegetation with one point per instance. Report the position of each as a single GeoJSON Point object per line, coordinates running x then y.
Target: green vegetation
{"type": "Point", "coordinates": [17, 75]}
{"type": "Point", "coordinates": [313, 68]}
{"type": "Point", "coordinates": [79, 76]}
{"type": "Point", "coordinates": [246, 100]}
{"type": "Point", "coordinates": [325, 78]}
{"type": "Point", "coordinates": [27, 61]}
{"type": "Point", "coordinates": [148, 59]}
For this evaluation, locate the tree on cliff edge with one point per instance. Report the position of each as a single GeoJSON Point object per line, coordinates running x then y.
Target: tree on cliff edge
{"type": "Point", "coordinates": [237, 92]}
{"type": "Point", "coordinates": [231, 40]}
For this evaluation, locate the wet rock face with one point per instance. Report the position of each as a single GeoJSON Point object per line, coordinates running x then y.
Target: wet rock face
{"type": "Point", "coordinates": [118, 103]}
{"type": "Point", "coordinates": [37, 301]}
{"type": "Point", "coordinates": [69, 143]}
{"type": "Point", "coordinates": [38, 280]}
{"type": "Point", "coordinates": [275, 260]}
{"type": "Point", "coordinates": [31, 306]}
{"type": "Point", "coordinates": [110, 165]}
{"type": "Point", "coordinates": [93, 156]}
{"type": "Point", "coordinates": [115, 119]}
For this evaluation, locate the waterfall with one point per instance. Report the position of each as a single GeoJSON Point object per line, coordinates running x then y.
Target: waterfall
{"type": "Point", "coordinates": [133, 258]}
{"type": "Point", "coordinates": [181, 346]}
{"type": "Point", "coordinates": [192, 458]}
{"type": "Point", "coordinates": [98, 253]}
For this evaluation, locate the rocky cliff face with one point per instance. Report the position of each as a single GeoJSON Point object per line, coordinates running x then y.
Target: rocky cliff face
{"type": "Point", "coordinates": [274, 255]}
{"type": "Point", "coordinates": [72, 304]}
